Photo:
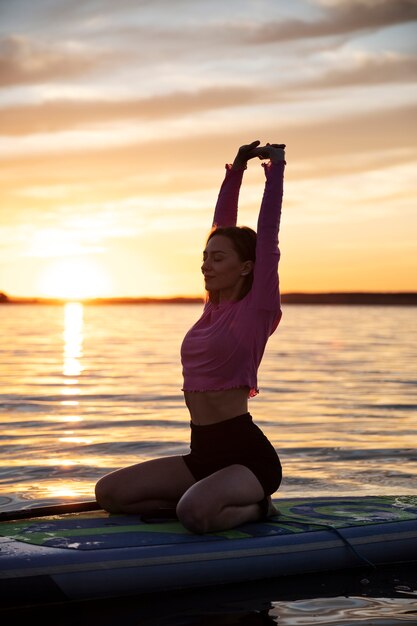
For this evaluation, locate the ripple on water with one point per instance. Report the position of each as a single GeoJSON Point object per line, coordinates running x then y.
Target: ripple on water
{"type": "Point", "coordinates": [342, 611]}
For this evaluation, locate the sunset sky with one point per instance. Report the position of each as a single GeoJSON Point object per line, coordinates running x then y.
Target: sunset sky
{"type": "Point", "coordinates": [117, 119]}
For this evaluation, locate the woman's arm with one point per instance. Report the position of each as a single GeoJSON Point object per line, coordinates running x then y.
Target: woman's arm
{"type": "Point", "coordinates": [266, 282]}
{"type": "Point", "coordinates": [225, 213]}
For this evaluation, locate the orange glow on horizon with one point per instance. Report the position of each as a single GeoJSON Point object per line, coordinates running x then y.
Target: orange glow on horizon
{"type": "Point", "coordinates": [74, 279]}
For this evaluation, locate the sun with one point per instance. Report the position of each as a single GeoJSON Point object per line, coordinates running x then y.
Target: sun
{"type": "Point", "coordinates": [72, 279]}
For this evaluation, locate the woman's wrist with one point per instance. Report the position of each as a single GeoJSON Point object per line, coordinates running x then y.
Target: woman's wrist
{"type": "Point", "coordinates": [239, 164]}
{"type": "Point", "coordinates": [277, 153]}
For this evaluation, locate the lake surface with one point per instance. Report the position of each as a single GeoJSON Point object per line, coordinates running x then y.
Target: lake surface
{"type": "Point", "coordinates": [88, 389]}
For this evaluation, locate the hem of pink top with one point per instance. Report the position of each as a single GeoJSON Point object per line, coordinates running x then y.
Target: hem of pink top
{"type": "Point", "coordinates": [253, 391]}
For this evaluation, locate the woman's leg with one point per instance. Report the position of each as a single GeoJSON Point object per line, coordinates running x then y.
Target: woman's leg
{"type": "Point", "coordinates": [223, 500]}
{"type": "Point", "coordinates": [146, 486]}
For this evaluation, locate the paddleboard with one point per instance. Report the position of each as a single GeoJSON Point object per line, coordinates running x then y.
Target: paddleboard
{"type": "Point", "coordinates": [79, 554]}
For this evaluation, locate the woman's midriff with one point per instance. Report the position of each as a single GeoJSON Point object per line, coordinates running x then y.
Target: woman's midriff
{"type": "Point", "coordinates": [211, 407]}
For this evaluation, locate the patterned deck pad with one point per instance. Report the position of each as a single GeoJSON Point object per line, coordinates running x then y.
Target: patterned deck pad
{"type": "Point", "coordinates": [99, 530]}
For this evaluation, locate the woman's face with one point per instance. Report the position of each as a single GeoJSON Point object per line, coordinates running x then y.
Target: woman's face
{"type": "Point", "coordinates": [222, 268]}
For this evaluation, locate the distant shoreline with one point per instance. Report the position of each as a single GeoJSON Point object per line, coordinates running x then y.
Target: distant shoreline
{"type": "Point", "coordinates": [335, 298]}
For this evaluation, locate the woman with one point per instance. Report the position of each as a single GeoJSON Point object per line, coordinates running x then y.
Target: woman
{"type": "Point", "coordinates": [232, 469]}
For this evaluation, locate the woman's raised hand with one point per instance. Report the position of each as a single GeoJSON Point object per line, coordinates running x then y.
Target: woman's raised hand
{"type": "Point", "coordinates": [273, 151]}
{"type": "Point", "coordinates": [246, 152]}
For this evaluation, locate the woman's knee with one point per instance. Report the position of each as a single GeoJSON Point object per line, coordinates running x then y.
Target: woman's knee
{"type": "Point", "coordinates": [193, 515]}
{"type": "Point", "coordinates": [101, 492]}
{"type": "Point", "coordinates": [106, 494]}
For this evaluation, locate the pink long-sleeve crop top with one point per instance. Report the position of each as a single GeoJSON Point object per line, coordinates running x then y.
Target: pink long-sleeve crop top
{"type": "Point", "coordinates": [224, 348]}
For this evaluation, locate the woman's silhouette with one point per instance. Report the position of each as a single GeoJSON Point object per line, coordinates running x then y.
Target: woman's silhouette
{"type": "Point", "coordinates": [232, 469]}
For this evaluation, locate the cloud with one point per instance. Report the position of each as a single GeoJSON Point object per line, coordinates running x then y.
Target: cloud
{"type": "Point", "coordinates": [313, 148]}
{"type": "Point", "coordinates": [338, 19]}
{"type": "Point", "coordinates": [63, 115]}
{"type": "Point", "coordinates": [67, 114]}
{"type": "Point", "coordinates": [366, 69]}
{"type": "Point", "coordinates": [25, 61]}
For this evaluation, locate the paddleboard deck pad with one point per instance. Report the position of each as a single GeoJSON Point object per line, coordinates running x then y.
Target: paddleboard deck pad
{"type": "Point", "coordinates": [93, 554]}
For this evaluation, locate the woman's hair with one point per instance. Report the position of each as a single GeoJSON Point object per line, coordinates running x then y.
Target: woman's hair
{"type": "Point", "coordinates": [243, 239]}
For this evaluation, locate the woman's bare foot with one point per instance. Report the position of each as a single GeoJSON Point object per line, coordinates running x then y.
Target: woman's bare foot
{"type": "Point", "coordinates": [272, 509]}
{"type": "Point", "coordinates": [267, 509]}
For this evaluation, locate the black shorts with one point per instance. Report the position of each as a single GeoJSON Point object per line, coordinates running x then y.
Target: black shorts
{"type": "Point", "coordinates": [236, 440]}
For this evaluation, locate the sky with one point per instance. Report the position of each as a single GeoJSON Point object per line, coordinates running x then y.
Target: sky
{"type": "Point", "coordinates": [117, 120]}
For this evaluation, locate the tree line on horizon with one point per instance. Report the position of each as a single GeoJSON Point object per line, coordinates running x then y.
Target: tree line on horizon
{"type": "Point", "coordinates": [345, 297]}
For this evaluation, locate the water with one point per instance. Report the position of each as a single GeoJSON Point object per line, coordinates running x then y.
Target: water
{"type": "Point", "coordinates": [88, 389]}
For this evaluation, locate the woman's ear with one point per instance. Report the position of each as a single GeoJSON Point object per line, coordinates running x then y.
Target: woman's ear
{"type": "Point", "coordinates": [247, 268]}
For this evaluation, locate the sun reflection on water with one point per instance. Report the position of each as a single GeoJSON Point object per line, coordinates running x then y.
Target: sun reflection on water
{"type": "Point", "coordinates": [73, 340]}
{"type": "Point", "coordinates": [64, 418]}
{"type": "Point", "coordinates": [72, 369]}
{"type": "Point", "coordinates": [61, 491]}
